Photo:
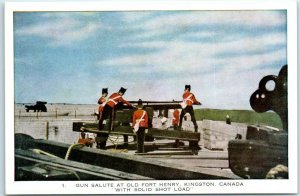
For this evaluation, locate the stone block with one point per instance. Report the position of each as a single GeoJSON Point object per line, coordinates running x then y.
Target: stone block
{"type": "Point", "coordinates": [215, 145]}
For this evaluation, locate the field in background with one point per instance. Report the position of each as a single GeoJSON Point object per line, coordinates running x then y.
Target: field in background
{"type": "Point", "coordinates": [240, 116]}
{"type": "Point", "coordinates": [59, 128]}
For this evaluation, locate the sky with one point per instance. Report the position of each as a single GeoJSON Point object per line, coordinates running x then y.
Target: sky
{"type": "Point", "coordinates": [68, 57]}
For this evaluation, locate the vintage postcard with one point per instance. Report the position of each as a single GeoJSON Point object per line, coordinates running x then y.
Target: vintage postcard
{"type": "Point", "coordinates": [175, 97]}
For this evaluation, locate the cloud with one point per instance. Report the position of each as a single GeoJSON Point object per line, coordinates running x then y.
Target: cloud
{"type": "Point", "coordinates": [174, 56]}
{"type": "Point", "coordinates": [61, 31]}
{"type": "Point", "coordinates": [185, 21]}
{"type": "Point", "coordinates": [134, 16]}
{"type": "Point", "coordinates": [254, 43]}
{"type": "Point", "coordinates": [222, 54]}
{"type": "Point", "coordinates": [249, 43]}
{"type": "Point", "coordinates": [229, 89]}
{"type": "Point", "coordinates": [223, 89]}
{"type": "Point", "coordinates": [200, 34]}
{"type": "Point", "coordinates": [52, 14]}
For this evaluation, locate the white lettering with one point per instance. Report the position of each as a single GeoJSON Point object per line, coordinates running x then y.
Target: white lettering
{"type": "Point", "coordinates": [82, 185]}
{"type": "Point", "coordinates": [182, 189]}
{"type": "Point", "coordinates": [162, 189]}
{"type": "Point", "coordinates": [95, 185]}
{"type": "Point", "coordinates": [142, 189]}
{"type": "Point", "coordinates": [199, 184]}
{"type": "Point", "coordinates": [231, 184]}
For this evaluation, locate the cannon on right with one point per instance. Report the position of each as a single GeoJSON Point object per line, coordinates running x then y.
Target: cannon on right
{"type": "Point", "coordinates": [264, 152]}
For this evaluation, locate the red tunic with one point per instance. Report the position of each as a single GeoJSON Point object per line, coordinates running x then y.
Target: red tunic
{"type": "Point", "coordinates": [190, 98]}
{"type": "Point", "coordinates": [84, 141]}
{"type": "Point", "coordinates": [175, 120]}
{"type": "Point", "coordinates": [138, 115]}
{"type": "Point", "coordinates": [101, 101]}
{"type": "Point", "coordinates": [115, 98]}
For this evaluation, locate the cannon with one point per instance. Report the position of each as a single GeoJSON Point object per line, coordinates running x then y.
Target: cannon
{"type": "Point", "coordinates": [122, 118]}
{"type": "Point", "coordinates": [38, 107]}
{"type": "Point", "coordinates": [264, 148]}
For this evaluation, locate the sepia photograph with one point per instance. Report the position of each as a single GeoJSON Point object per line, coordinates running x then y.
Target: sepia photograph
{"type": "Point", "coordinates": [141, 98]}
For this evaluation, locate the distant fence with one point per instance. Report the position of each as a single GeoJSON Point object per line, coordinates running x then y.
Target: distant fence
{"type": "Point", "coordinates": [56, 113]}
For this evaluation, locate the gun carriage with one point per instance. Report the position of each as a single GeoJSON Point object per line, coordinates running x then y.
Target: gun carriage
{"type": "Point", "coordinates": [122, 120]}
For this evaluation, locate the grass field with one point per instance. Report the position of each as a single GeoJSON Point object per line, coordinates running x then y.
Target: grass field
{"type": "Point", "coordinates": [241, 116]}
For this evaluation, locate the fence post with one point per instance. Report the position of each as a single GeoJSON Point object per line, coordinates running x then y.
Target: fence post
{"type": "Point", "coordinates": [19, 113]}
{"type": "Point", "coordinates": [56, 112]}
{"type": "Point", "coordinates": [75, 113]}
{"type": "Point", "coordinates": [47, 130]}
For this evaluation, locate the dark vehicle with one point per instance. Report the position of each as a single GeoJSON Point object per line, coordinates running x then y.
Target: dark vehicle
{"type": "Point", "coordinates": [265, 148]}
{"type": "Point", "coordinates": [38, 107]}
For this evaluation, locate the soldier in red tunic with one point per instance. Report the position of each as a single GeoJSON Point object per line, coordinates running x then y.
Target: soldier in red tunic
{"type": "Point", "coordinates": [175, 119]}
{"type": "Point", "coordinates": [86, 141]}
{"type": "Point", "coordinates": [102, 101]}
{"type": "Point", "coordinates": [175, 122]}
{"type": "Point", "coordinates": [189, 100]}
{"type": "Point", "coordinates": [140, 116]}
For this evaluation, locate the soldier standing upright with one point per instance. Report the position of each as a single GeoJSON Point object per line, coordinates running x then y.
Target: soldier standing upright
{"type": "Point", "coordinates": [140, 124]}
{"type": "Point", "coordinates": [189, 100]}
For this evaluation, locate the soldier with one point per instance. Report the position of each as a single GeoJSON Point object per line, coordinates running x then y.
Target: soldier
{"type": "Point", "coordinates": [86, 141]}
{"type": "Point", "coordinates": [175, 122]}
{"type": "Point", "coordinates": [175, 119]}
{"type": "Point", "coordinates": [140, 124]}
{"type": "Point", "coordinates": [102, 101]}
{"type": "Point", "coordinates": [187, 106]}
{"type": "Point", "coordinates": [113, 100]}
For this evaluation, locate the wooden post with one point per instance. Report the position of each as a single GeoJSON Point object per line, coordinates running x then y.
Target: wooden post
{"type": "Point", "coordinates": [166, 113]}
{"type": "Point", "coordinates": [47, 130]}
{"type": "Point", "coordinates": [19, 113]}
{"type": "Point", "coordinates": [160, 113]}
{"type": "Point", "coordinates": [75, 113]}
{"type": "Point", "coordinates": [37, 114]}
{"type": "Point", "coordinates": [111, 127]}
{"type": "Point", "coordinates": [56, 112]}
{"type": "Point", "coordinates": [125, 140]}
{"type": "Point", "coordinates": [96, 118]}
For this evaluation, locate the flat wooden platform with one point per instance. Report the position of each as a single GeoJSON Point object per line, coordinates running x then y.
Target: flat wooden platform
{"type": "Point", "coordinates": [176, 167]}
{"type": "Point", "coordinates": [127, 130]}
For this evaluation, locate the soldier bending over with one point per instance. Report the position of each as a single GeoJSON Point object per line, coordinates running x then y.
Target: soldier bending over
{"type": "Point", "coordinates": [108, 110]}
